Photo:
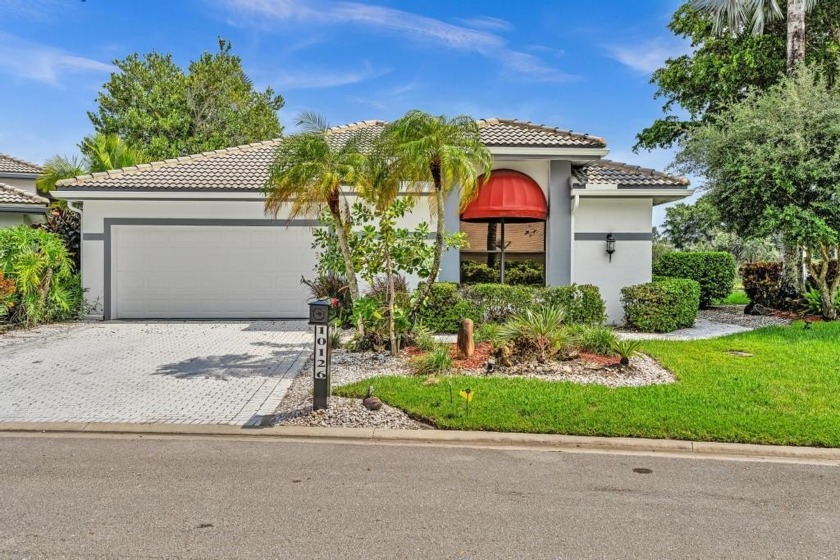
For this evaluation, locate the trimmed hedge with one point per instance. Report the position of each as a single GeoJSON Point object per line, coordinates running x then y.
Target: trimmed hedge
{"type": "Point", "coordinates": [713, 270]}
{"type": "Point", "coordinates": [662, 306]}
{"type": "Point", "coordinates": [496, 303]}
{"type": "Point", "coordinates": [445, 308]}
{"type": "Point", "coordinates": [582, 302]}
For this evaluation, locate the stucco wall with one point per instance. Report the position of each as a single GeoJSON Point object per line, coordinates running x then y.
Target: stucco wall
{"type": "Point", "coordinates": [628, 219]}
{"type": "Point", "coordinates": [96, 211]}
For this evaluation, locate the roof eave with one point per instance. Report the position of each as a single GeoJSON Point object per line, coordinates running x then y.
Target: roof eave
{"type": "Point", "coordinates": [547, 152]}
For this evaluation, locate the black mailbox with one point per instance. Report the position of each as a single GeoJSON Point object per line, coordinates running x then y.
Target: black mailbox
{"type": "Point", "coordinates": [320, 315]}
{"type": "Point", "coordinates": [319, 312]}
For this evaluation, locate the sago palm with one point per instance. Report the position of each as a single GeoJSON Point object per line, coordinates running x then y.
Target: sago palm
{"type": "Point", "coordinates": [446, 153]}
{"type": "Point", "coordinates": [307, 176]}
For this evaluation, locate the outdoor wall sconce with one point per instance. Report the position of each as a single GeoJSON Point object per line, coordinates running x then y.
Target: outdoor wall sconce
{"type": "Point", "coordinates": [610, 245]}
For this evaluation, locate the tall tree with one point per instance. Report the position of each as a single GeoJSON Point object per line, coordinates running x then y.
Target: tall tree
{"type": "Point", "coordinates": [155, 106]}
{"type": "Point", "coordinates": [445, 153]}
{"type": "Point", "coordinates": [688, 225]}
{"type": "Point", "coordinates": [308, 175]}
{"type": "Point", "coordinates": [737, 16]}
{"type": "Point", "coordinates": [722, 67]}
{"type": "Point", "coordinates": [734, 16]}
{"type": "Point", "coordinates": [772, 165]}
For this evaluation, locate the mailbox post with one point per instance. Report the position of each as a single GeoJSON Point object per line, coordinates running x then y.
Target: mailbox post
{"type": "Point", "coordinates": [319, 315]}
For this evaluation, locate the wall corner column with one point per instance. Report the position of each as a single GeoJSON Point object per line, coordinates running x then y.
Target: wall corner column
{"type": "Point", "coordinates": [558, 251]}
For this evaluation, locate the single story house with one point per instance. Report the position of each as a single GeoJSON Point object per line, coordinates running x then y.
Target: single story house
{"type": "Point", "coordinates": [19, 200]}
{"type": "Point", "coordinates": [188, 237]}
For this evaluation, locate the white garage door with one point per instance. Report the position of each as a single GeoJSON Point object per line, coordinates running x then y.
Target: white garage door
{"type": "Point", "coordinates": [212, 272]}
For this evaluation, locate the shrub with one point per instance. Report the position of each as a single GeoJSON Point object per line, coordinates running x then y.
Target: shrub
{"type": "Point", "coordinates": [582, 303]}
{"type": "Point", "coordinates": [762, 282]}
{"type": "Point", "coordinates": [424, 337]}
{"type": "Point", "coordinates": [626, 349]}
{"type": "Point", "coordinates": [524, 273]}
{"type": "Point", "coordinates": [499, 302]}
{"type": "Point", "coordinates": [473, 272]}
{"type": "Point", "coordinates": [596, 340]}
{"type": "Point", "coordinates": [714, 271]}
{"type": "Point", "coordinates": [662, 306]}
{"type": "Point", "coordinates": [537, 330]}
{"type": "Point", "coordinates": [444, 309]}
{"type": "Point", "coordinates": [7, 294]}
{"type": "Point", "coordinates": [436, 362]}
{"type": "Point", "coordinates": [39, 264]}
{"type": "Point", "coordinates": [374, 314]}
{"type": "Point", "coordinates": [379, 290]}
{"type": "Point", "coordinates": [489, 332]}
{"type": "Point", "coordinates": [814, 301]}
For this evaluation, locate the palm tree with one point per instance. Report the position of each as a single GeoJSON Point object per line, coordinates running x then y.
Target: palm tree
{"type": "Point", "coordinates": [103, 152]}
{"type": "Point", "coordinates": [109, 151]}
{"type": "Point", "coordinates": [444, 153]}
{"type": "Point", "coordinates": [307, 176]}
{"type": "Point", "coordinates": [735, 15]}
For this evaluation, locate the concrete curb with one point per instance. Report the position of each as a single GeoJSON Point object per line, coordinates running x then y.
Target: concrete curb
{"type": "Point", "coordinates": [444, 437]}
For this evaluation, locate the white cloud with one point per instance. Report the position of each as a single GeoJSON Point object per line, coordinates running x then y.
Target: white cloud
{"type": "Point", "coordinates": [419, 28]}
{"type": "Point", "coordinates": [487, 23]}
{"type": "Point", "coordinates": [41, 63]}
{"type": "Point", "coordinates": [645, 57]}
{"type": "Point", "coordinates": [315, 79]}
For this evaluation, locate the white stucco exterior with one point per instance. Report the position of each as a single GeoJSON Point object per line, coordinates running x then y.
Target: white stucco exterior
{"type": "Point", "coordinates": [580, 215]}
{"type": "Point", "coordinates": [592, 220]}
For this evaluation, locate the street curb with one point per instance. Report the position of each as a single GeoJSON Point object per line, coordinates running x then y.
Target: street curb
{"type": "Point", "coordinates": [442, 437]}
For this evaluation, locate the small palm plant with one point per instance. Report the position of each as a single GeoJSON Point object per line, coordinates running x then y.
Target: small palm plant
{"type": "Point", "coordinates": [626, 349]}
{"type": "Point", "coordinates": [542, 329]}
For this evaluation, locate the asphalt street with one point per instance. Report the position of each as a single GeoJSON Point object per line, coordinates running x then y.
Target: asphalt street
{"type": "Point", "coordinates": [147, 497]}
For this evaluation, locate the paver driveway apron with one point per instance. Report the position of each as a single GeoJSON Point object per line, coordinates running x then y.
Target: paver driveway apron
{"type": "Point", "coordinates": [183, 372]}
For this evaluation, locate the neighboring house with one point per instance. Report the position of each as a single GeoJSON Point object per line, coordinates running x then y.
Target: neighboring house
{"type": "Point", "coordinates": [19, 200]}
{"type": "Point", "coordinates": [188, 238]}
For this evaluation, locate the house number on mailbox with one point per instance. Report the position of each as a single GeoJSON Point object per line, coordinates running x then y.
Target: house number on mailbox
{"type": "Point", "coordinates": [321, 351]}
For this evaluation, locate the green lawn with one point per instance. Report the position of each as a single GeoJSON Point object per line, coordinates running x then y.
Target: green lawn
{"type": "Point", "coordinates": [787, 392]}
{"type": "Point", "coordinates": [737, 297]}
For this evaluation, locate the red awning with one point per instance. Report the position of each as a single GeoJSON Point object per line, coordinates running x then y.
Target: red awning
{"type": "Point", "coordinates": [508, 195]}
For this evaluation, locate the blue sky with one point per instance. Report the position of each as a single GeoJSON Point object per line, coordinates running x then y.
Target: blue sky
{"type": "Point", "coordinates": [584, 66]}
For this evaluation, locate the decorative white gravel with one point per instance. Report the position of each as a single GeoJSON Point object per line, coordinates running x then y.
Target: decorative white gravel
{"type": "Point", "coordinates": [643, 370]}
{"type": "Point", "coordinates": [296, 407]}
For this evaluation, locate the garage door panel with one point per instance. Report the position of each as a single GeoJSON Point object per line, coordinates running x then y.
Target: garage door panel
{"type": "Point", "coordinates": [210, 272]}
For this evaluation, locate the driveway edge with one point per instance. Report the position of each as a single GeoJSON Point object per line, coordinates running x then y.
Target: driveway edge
{"type": "Point", "coordinates": [444, 437]}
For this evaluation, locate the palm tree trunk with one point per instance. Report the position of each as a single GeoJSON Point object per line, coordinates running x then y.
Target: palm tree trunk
{"type": "Point", "coordinates": [392, 334]}
{"type": "Point", "coordinates": [439, 236]}
{"type": "Point", "coordinates": [795, 33]}
{"type": "Point", "coordinates": [792, 281]}
{"type": "Point", "coordinates": [342, 231]}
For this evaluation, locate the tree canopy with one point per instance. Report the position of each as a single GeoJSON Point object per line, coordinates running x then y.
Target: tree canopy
{"type": "Point", "coordinates": [156, 107]}
{"type": "Point", "coordinates": [772, 165]}
{"type": "Point", "coordinates": [722, 68]}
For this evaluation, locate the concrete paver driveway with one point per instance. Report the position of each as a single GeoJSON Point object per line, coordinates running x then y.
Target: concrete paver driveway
{"type": "Point", "coordinates": [168, 372]}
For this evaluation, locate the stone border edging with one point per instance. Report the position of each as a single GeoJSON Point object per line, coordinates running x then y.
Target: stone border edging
{"type": "Point", "coordinates": [444, 437]}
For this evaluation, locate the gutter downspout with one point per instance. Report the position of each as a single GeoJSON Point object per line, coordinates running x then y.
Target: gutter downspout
{"type": "Point", "coordinates": [575, 206]}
